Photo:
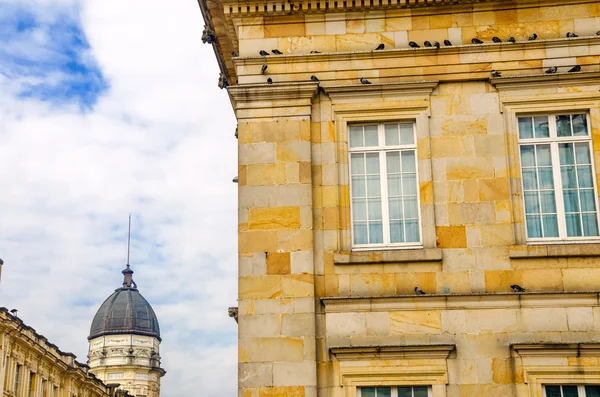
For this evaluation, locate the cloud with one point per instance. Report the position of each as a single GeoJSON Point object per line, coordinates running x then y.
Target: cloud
{"type": "Point", "coordinates": [107, 108]}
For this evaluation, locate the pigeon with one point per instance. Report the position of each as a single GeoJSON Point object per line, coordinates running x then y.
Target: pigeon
{"type": "Point", "coordinates": [495, 73]}
{"type": "Point", "coordinates": [476, 41]}
{"type": "Point", "coordinates": [263, 69]}
{"type": "Point", "coordinates": [419, 291]}
{"type": "Point", "coordinates": [571, 34]}
{"type": "Point", "coordinates": [496, 39]}
{"type": "Point", "coordinates": [263, 53]}
{"type": "Point", "coordinates": [575, 68]}
{"type": "Point", "coordinates": [532, 37]}
{"type": "Point", "coordinates": [234, 54]}
{"type": "Point", "coordinates": [412, 44]}
{"type": "Point", "coordinates": [380, 47]}
{"type": "Point", "coordinates": [315, 52]}
{"type": "Point", "coordinates": [235, 180]}
{"type": "Point", "coordinates": [277, 52]}
{"type": "Point", "coordinates": [517, 288]}
{"type": "Point", "coordinates": [447, 42]}
{"type": "Point", "coordinates": [427, 43]}
{"type": "Point", "coordinates": [314, 78]}
{"type": "Point", "coordinates": [436, 44]}
{"type": "Point", "coordinates": [511, 39]}
{"type": "Point", "coordinates": [598, 33]}
{"type": "Point", "coordinates": [236, 133]}
{"type": "Point", "coordinates": [269, 81]}
{"type": "Point", "coordinates": [14, 311]}
{"type": "Point", "coordinates": [364, 81]}
{"type": "Point", "coordinates": [552, 69]}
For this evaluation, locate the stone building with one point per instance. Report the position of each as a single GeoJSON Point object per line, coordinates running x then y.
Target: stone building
{"type": "Point", "coordinates": [431, 172]}
{"type": "Point", "coordinates": [124, 341]}
{"type": "Point", "coordinates": [31, 366]}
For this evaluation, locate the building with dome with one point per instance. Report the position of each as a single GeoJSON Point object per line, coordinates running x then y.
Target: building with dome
{"type": "Point", "coordinates": [124, 341]}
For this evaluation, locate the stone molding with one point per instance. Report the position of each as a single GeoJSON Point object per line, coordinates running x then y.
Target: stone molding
{"type": "Point", "coordinates": [524, 251]}
{"type": "Point", "coordinates": [557, 350]}
{"type": "Point", "coordinates": [351, 353]}
{"type": "Point", "coordinates": [279, 99]}
{"type": "Point", "coordinates": [387, 256]}
{"type": "Point", "coordinates": [475, 301]}
{"type": "Point", "coordinates": [536, 81]}
{"type": "Point", "coordinates": [359, 92]}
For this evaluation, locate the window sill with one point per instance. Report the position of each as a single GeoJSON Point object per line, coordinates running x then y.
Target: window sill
{"type": "Point", "coordinates": [553, 250]}
{"type": "Point", "coordinates": [388, 256]}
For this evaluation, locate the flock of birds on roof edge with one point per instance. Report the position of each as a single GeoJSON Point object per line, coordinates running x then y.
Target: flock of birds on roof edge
{"type": "Point", "coordinates": [514, 287]}
{"type": "Point", "coordinates": [223, 82]}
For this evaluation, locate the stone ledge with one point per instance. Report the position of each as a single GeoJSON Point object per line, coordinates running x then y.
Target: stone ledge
{"type": "Point", "coordinates": [387, 256]}
{"type": "Point", "coordinates": [545, 80]}
{"type": "Point", "coordinates": [474, 301]}
{"type": "Point", "coordinates": [557, 349]}
{"type": "Point", "coordinates": [553, 251]}
{"type": "Point", "coordinates": [391, 352]}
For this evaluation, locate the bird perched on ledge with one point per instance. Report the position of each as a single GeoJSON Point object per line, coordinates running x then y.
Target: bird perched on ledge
{"type": "Point", "coordinates": [495, 73]}
{"type": "Point", "coordinates": [496, 39]}
{"type": "Point", "coordinates": [364, 81]}
{"type": "Point", "coordinates": [511, 39]}
{"type": "Point", "coordinates": [314, 78]}
{"type": "Point", "coordinates": [436, 44]}
{"type": "Point", "coordinates": [380, 47]}
{"type": "Point", "coordinates": [532, 37]}
{"type": "Point", "coordinates": [476, 41]}
{"type": "Point", "coordinates": [223, 82]}
{"type": "Point", "coordinates": [277, 52]}
{"type": "Point", "coordinates": [517, 288]}
{"type": "Point", "coordinates": [571, 34]}
{"type": "Point", "coordinates": [412, 44]}
{"type": "Point", "coordinates": [447, 42]}
{"type": "Point", "coordinates": [427, 43]}
{"type": "Point", "coordinates": [263, 69]}
{"type": "Point", "coordinates": [263, 53]}
{"type": "Point", "coordinates": [419, 291]}
{"type": "Point", "coordinates": [551, 69]}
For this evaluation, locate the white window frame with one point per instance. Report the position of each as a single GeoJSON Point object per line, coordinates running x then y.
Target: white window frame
{"type": "Point", "coordinates": [580, 389]}
{"type": "Point", "coordinates": [381, 149]}
{"type": "Point", "coordinates": [553, 140]}
{"type": "Point", "coordinates": [395, 390]}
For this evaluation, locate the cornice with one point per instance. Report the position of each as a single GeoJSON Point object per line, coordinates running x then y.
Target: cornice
{"type": "Point", "coordinates": [272, 92]}
{"type": "Point", "coordinates": [396, 352]}
{"type": "Point", "coordinates": [475, 301]}
{"type": "Point", "coordinates": [557, 349]}
{"type": "Point", "coordinates": [545, 80]}
{"type": "Point", "coordinates": [352, 92]}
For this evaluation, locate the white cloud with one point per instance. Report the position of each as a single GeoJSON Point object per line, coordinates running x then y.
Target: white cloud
{"type": "Point", "coordinates": [159, 143]}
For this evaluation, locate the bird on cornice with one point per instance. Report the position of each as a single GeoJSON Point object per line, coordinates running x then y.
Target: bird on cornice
{"type": "Point", "coordinates": [511, 39]}
{"type": "Point", "coordinates": [277, 52]}
{"type": "Point", "coordinates": [551, 69]}
{"type": "Point", "coordinates": [269, 81]}
{"type": "Point", "coordinates": [496, 39]}
{"type": "Point", "coordinates": [571, 34]}
{"type": "Point", "coordinates": [364, 81]}
{"type": "Point", "coordinates": [419, 291]}
{"type": "Point", "coordinates": [436, 44]}
{"type": "Point", "coordinates": [532, 37]}
{"type": "Point", "coordinates": [495, 73]}
{"type": "Point", "coordinates": [314, 78]}
{"type": "Point", "coordinates": [517, 288]}
{"type": "Point", "coordinates": [263, 53]}
{"type": "Point", "coordinates": [380, 47]}
{"type": "Point", "coordinates": [475, 40]}
{"type": "Point", "coordinates": [412, 44]}
{"type": "Point", "coordinates": [574, 69]}
{"type": "Point", "coordinates": [447, 42]}
{"type": "Point", "coordinates": [263, 69]}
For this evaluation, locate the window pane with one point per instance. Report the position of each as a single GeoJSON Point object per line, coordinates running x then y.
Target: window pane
{"type": "Point", "coordinates": [360, 233]}
{"type": "Point", "coordinates": [410, 207]}
{"type": "Point", "coordinates": [563, 125]}
{"type": "Point", "coordinates": [534, 226]}
{"type": "Point", "coordinates": [358, 163]}
{"type": "Point", "coordinates": [358, 186]}
{"type": "Point", "coordinates": [584, 176]}
{"type": "Point", "coordinates": [372, 163]}
{"type": "Point", "coordinates": [359, 209]}
{"type": "Point", "coordinates": [373, 188]}
{"type": "Point", "coordinates": [590, 224]}
{"type": "Point", "coordinates": [420, 391]}
{"type": "Point", "coordinates": [548, 202]}
{"type": "Point", "coordinates": [541, 127]}
{"type": "Point", "coordinates": [582, 153]}
{"type": "Point", "coordinates": [391, 134]}
{"type": "Point", "coordinates": [384, 391]}
{"type": "Point", "coordinates": [412, 231]}
{"type": "Point", "coordinates": [525, 128]}
{"type": "Point", "coordinates": [568, 176]}
{"type": "Point", "coordinates": [395, 207]}
{"type": "Point", "coordinates": [375, 232]}
{"type": "Point", "coordinates": [356, 136]}
{"type": "Point", "coordinates": [409, 183]}
{"type": "Point", "coordinates": [565, 151]}
{"type": "Point", "coordinates": [543, 155]}
{"type": "Point", "coordinates": [374, 210]}
{"type": "Point", "coordinates": [553, 391]}
{"type": "Point", "coordinates": [550, 225]}
{"type": "Point", "coordinates": [407, 135]}
{"type": "Point", "coordinates": [371, 135]}
{"type": "Point", "coordinates": [546, 178]}
{"type": "Point", "coordinates": [393, 162]}
{"type": "Point", "coordinates": [569, 391]}
{"type": "Point", "coordinates": [532, 204]}
{"type": "Point", "coordinates": [370, 392]}
{"type": "Point", "coordinates": [394, 185]}
{"type": "Point", "coordinates": [396, 231]}
{"type": "Point", "coordinates": [579, 124]}
{"type": "Point", "coordinates": [529, 179]}
{"type": "Point", "coordinates": [587, 200]}
{"type": "Point", "coordinates": [573, 225]}
{"type": "Point", "coordinates": [527, 156]}
{"type": "Point", "coordinates": [408, 161]}
{"type": "Point", "coordinates": [571, 201]}
{"type": "Point", "coordinates": [592, 391]}
{"type": "Point", "coordinates": [405, 392]}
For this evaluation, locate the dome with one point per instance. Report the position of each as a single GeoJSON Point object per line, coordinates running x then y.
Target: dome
{"type": "Point", "coordinates": [125, 312]}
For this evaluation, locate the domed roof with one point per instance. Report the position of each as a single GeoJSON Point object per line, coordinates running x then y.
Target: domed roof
{"type": "Point", "coordinates": [125, 312]}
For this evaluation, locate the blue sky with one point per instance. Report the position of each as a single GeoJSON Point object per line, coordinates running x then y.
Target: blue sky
{"type": "Point", "coordinates": [109, 108]}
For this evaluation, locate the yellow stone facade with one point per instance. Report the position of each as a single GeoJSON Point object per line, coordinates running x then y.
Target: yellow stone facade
{"type": "Point", "coordinates": [319, 318]}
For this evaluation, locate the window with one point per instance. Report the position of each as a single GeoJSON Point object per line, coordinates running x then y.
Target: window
{"type": "Point", "coordinates": [571, 391]}
{"type": "Point", "coordinates": [141, 376]}
{"type": "Point", "coordinates": [44, 388]}
{"type": "Point", "coordinates": [17, 378]}
{"type": "Point", "coordinates": [384, 185]}
{"type": "Point", "coordinates": [31, 384]}
{"type": "Point", "coordinates": [404, 391]}
{"type": "Point", "coordinates": [115, 375]}
{"type": "Point", "coordinates": [558, 177]}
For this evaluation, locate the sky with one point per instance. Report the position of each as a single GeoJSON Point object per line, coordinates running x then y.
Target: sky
{"type": "Point", "coordinates": [109, 108]}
